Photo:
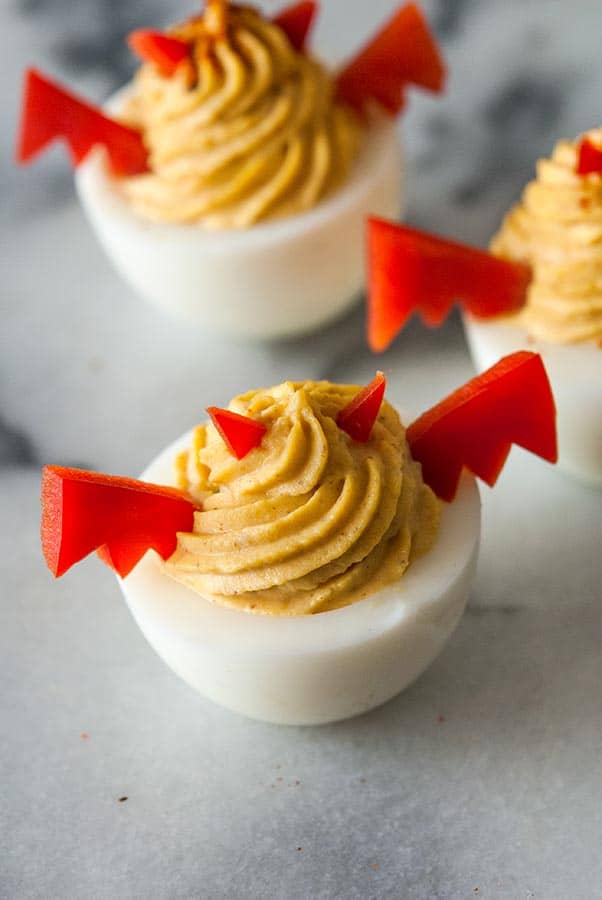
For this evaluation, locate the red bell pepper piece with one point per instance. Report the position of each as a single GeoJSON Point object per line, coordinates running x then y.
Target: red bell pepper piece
{"type": "Point", "coordinates": [296, 21]}
{"type": "Point", "coordinates": [49, 112]}
{"type": "Point", "coordinates": [165, 52]}
{"type": "Point", "coordinates": [510, 403]}
{"type": "Point", "coordinates": [120, 517]}
{"type": "Point", "coordinates": [403, 51]}
{"type": "Point", "coordinates": [412, 271]}
{"type": "Point", "coordinates": [589, 160]}
{"type": "Point", "coordinates": [239, 433]}
{"type": "Point", "coordinates": [359, 416]}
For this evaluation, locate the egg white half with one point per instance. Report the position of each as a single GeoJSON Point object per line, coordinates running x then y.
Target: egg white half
{"type": "Point", "coordinates": [310, 669]}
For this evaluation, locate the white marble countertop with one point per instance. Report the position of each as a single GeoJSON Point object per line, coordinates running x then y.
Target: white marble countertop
{"type": "Point", "coordinates": [484, 778]}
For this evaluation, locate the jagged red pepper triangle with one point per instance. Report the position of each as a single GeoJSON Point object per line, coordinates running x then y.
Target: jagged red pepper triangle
{"type": "Point", "coordinates": [296, 21]}
{"type": "Point", "coordinates": [241, 434]}
{"type": "Point", "coordinates": [474, 428]}
{"type": "Point", "coordinates": [122, 518]}
{"type": "Point", "coordinates": [153, 46]}
{"type": "Point", "coordinates": [412, 271]}
{"type": "Point", "coordinates": [404, 51]}
{"type": "Point", "coordinates": [50, 112]}
{"type": "Point", "coordinates": [589, 158]}
{"type": "Point", "coordinates": [359, 416]}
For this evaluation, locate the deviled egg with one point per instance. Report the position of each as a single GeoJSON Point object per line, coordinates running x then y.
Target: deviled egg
{"type": "Point", "coordinates": [322, 575]}
{"type": "Point", "coordinates": [557, 229]}
{"type": "Point", "coordinates": [304, 569]}
{"type": "Point", "coordinates": [230, 181]}
{"type": "Point", "coordinates": [250, 218]}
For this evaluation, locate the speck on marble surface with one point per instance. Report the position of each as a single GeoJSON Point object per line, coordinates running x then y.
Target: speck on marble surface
{"type": "Point", "coordinates": [484, 778]}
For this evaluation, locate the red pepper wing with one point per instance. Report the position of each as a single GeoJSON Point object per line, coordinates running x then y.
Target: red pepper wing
{"type": "Point", "coordinates": [412, 271]}
{"type": "Point", "coordinates": [403, 52]}
{"type": "Point", "coordinates": [474, 428]}
{"type": "Point", "coordinates": [85, 511]}
{"type": "Point", "coordinates": [50, 112]}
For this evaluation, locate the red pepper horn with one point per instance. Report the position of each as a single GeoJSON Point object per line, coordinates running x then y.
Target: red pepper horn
{"type": "Point", "coordinates": [359, 416]}
{"type": "Point", "coordinates": [241, 434]}
{"type": "Point", "coordinates": [296, 21]}
{"type": "Point", "coordinates": [165, 52]}
{"type": "Point", "coordinates": [589, 158]}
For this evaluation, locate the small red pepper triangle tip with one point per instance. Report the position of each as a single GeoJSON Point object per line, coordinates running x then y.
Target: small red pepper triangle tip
{"type": "Point", "coordinates": [241, 434]}
{"type": "Point", "coordinates": [153, 46]}
{"type": "Point", "coordinates": [358, 417]}
{"type": "Point", "coordinates": [589, 158]}
{"type": "Point", "coordinates": [296, 21]}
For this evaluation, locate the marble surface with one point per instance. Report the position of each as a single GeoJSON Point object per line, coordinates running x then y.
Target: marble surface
{"type": "Point", "coordinates": [484, 778]}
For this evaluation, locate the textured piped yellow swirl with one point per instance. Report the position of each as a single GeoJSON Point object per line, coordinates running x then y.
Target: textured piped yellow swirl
{"type": "Point", "coordinates": [310, 520]}
{"type": "Point", "coordinates": [257, 134]}
{"type": "Point", "coordinates": [557, 229]}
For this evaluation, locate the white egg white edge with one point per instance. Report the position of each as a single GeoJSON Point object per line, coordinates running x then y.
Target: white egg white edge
{"type": "Point", "coordinates": [489, 340]}
{"type": "Point", "coordinates": [173, 606]}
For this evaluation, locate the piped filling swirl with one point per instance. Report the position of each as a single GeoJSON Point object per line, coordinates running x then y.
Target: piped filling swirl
{"type": "Point", "coordinates": [310, 520]}
{"type": "Point", "coordinates": [557, 229]}
{"type": "Point", "coordinates": [249, 130]}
